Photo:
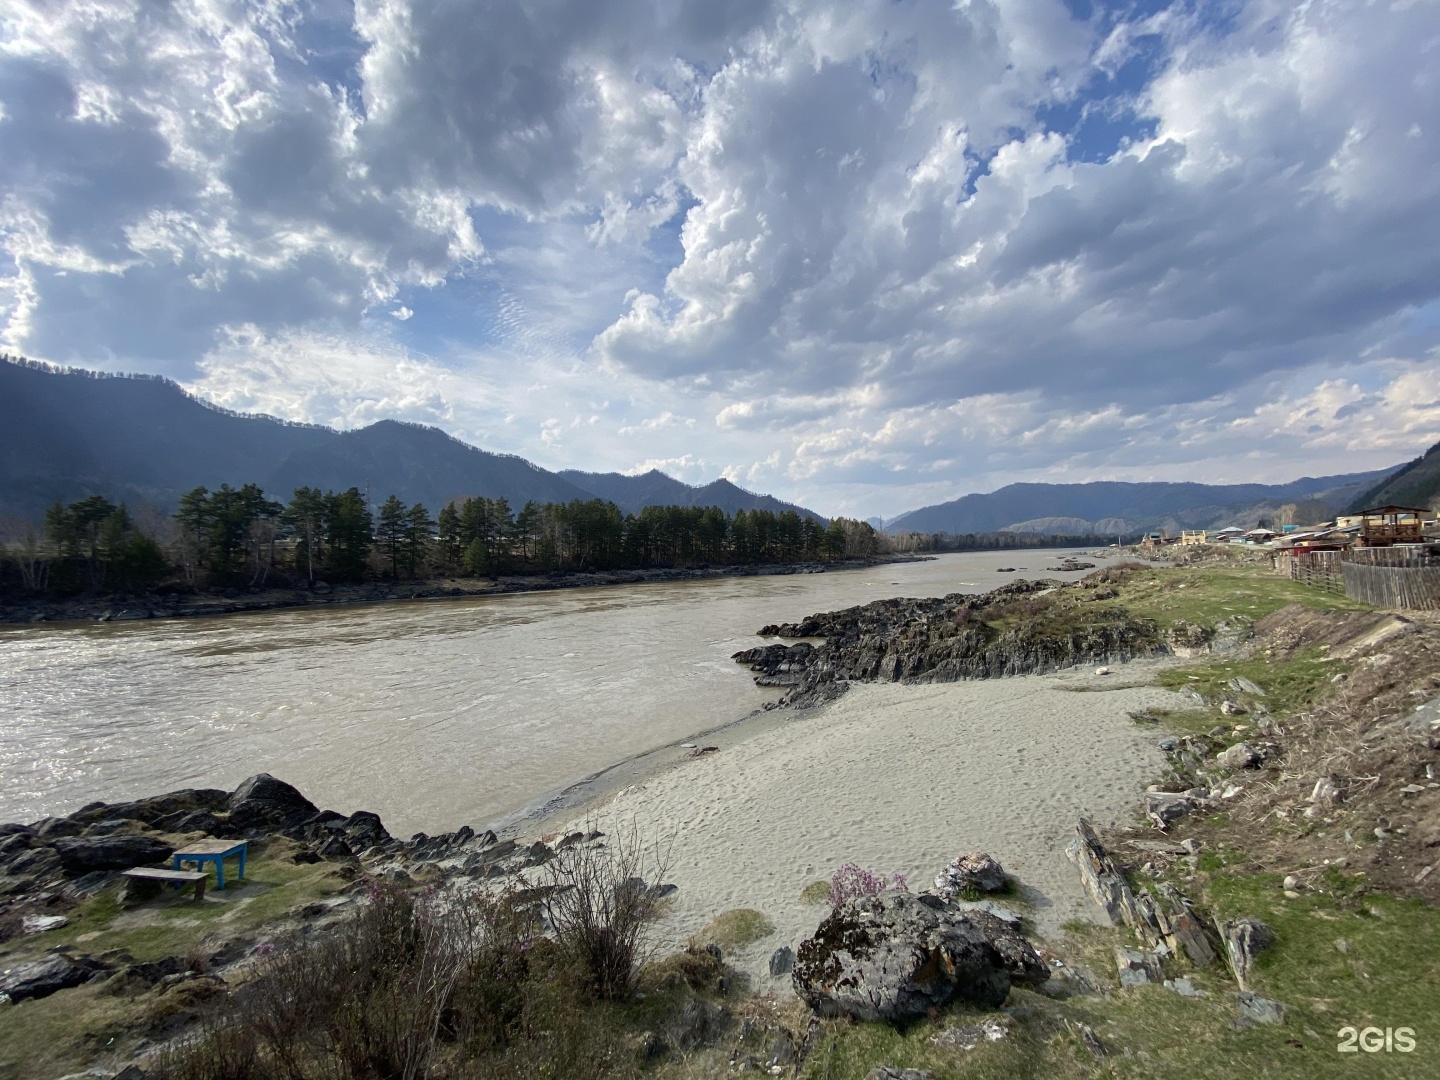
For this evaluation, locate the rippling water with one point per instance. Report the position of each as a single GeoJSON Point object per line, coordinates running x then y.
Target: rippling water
{"type": "Point", "coordinates": [433, 714]}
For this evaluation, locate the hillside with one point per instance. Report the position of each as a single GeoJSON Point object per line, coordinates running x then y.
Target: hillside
{"type": "Point", "coordinates": [654, 488]}
{"type": "Point", "coordinates": [72, 434]}
{"type": "Point", "coordinates": [1142, 506]}
{"type": "Point", "coordinates": [139, 439]}
{"type": "Point", "coordinates": [419, 464]}
{"type": "Point", "coordinates": [1417, 484]}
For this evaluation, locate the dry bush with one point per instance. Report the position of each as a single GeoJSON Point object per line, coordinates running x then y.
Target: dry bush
{"type": "Point", "coordinates": [601, 908]}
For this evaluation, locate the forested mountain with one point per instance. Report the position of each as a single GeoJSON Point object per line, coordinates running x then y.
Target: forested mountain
{"type": "Point", "coordinates": [1417, 484]}
{"type": "Point", "coordinates": [73, 434]}
{"type": "Point", "coordinates": [633, 493]}
{"type": "Point", "coordinates": [68, 435]}
{"type": "Point", "coordinates": [1109, 504]}
{"type": "Point", "coordinates": [418, 464]}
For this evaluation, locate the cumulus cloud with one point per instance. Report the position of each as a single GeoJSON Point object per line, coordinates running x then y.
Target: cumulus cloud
{"type": "Point", "coordinates": [870, 253]}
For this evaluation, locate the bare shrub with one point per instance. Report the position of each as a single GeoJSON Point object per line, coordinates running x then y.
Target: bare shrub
{"type": "Point", "coordinates": [601, 908]}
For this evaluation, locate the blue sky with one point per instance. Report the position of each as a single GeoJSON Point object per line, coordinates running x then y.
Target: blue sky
{"type": "Point", "coordinates": [864, 255]}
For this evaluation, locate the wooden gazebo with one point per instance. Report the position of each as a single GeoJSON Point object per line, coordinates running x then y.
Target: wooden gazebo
{"type": "Point", "coordinates": [1382, 526]}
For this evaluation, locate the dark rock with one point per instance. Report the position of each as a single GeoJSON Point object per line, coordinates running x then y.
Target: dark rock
{"type": "Point", "coordinates": [41, 978]}
{"type": "Point", "coordinates": [34, 863]}
{"type": "Point", "coordinates": [1240, 756]}
{"type": "Point", "coordinates": [55, 827]}
{"type": "Point", "coordinates": [1165, 808]}
{"type": "Point", "coordinates": [263, 802]}
{"type": "Point", "coordinates": [892, 957]}
{"type": "Point", "coordinates": [14, 828]}
{"type": "Point", "coordinates": [154, 809]}
{"type": "Point", "coordinates": [1138, 968]}
{"type": "Point", "coordinates": [889, 1072]}
{"type": "Point", "coordinates": [82, 855]}
{"type": "Point", "coordinates": [1245, 938]}
{"type": "Point", "coordinates": [782, 961]}
{"type": "Point", "coordinates": [699, 1023]}
{"type": "Point", "coordinates": [201, 821]}
{"type": "Point", "coordinates": [363, 830]}
{"type": "Point", "coordinates": [939, 640]}
{"type": "Point", "coordinates": [303, 857]}
{"type": "Point", "coordinates": [1253, 1009]}
{"type": "Point", "coordinates": [13, 845]}
{"type": "Point", "coordinates": [335, 848]}
{"type": "Point", "coordinates": [975, 873]}
{"type": "Point", "coordinates": [109, 827]}
{"type": "Point", "coordinates": [463, 839]}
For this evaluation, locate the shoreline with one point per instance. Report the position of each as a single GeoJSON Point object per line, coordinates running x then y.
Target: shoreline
{"type": "Point", "coordinates": [172, 605]}
{"type": "Point", "coordinates": [896, 777]}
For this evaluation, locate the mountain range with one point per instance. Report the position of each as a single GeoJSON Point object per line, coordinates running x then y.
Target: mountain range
{"type": "Point", "coordinates": [1109, 508]}
{"type": "Point", "coordinates": [68, 434]}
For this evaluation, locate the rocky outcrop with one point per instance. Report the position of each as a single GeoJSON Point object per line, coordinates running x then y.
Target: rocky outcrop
{"type": "Point", "coordinates": [84, 855]}
{"type": "Point", "coordinates": [41, 978]}
{"type": "Point", "coordinates": [972, 873]}
{"type": "Point", "coordinates": [895, 956]}
{"type": "Point", "coordinates": [265, 803]}
{"type": "Point", "coordinates": [1014, 630]}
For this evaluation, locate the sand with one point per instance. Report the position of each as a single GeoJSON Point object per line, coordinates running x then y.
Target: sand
{"type": "Point", "coordinates": [899, 779]}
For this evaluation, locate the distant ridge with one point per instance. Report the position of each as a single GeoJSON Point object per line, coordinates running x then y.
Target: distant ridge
{"type": "Point", "coordinates": [66, 433]}
{"type": "Point", "coordinates": [1028, 507]}
{"type": "Point", "coordinates": [654, 488]}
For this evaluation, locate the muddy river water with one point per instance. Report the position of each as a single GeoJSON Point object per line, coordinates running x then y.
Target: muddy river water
{"type": "Point", "coordinates": [433, 714]}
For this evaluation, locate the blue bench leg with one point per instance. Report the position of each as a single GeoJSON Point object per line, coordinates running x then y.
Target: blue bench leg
{"type": "Point", "coordinates": [220, 872]}
{"type": "Point", "coordinates": [242, 864]}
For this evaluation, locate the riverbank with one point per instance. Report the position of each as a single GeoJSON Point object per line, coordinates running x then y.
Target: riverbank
{"type": "Point", "coordinates": [175, 604]}
{"type": "Point", "coordinates": [1292, 786]}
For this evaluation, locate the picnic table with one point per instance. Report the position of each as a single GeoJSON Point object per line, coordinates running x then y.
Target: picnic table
{"type": "Point", "coordinates": [213, 851]}
{"type": "Point", "coordinates": [178, 878]}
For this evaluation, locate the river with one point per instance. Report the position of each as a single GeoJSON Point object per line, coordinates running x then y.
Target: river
{"type": "Point", "coordinates": [432, 713]}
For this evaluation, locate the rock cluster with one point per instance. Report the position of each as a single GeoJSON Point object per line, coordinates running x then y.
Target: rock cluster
{"type": "Point", "coordinates": [944, 640]}
{"type": "Point", "coordinates": [972, 873]}
{"type": "Point", "coordinates": [895, 956]}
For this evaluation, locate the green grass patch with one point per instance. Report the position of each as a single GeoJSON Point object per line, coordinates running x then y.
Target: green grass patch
{"type": "Point", "coordinates": [817, 892]}
{"type": "Point", "coordinates": [735, 929]}
{"type": "Point", "coordinates": [1289, 686]}
{"type": "Point", "coordinates": [1209, 595]}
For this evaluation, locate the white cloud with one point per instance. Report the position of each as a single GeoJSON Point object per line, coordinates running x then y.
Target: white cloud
{"type": "Point", "coordinates": [846, 249]}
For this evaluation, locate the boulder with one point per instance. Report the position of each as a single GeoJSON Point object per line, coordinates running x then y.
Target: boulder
{"type": "Point", "coordinates": [889, 1072]}
{"type": "Point", "coordinates": [154, 808]}
{"type": "Point", "coordinates": [975, 872]}
{"type": "Point", "coordinates": [82, 855]}
{"type": "Point", "coordinates": [1253, 1009]}
{"type": "Point", "coordinates": [782, 961]}
{"type": "Point", "coordinates": [1164, 808]}
{"type": "Point", "coordinates": [263, 802]}
{"type": "Point", "coordinates": [895, 956]}
{"type": "Point", "coordinates": [41, 978]}
{"type": "Point", "coordinates": [1245, 938]}
{"type": "Point", "coordinates": [364, 830]}
{"type": "Point", "coordinates": [1240, 756]}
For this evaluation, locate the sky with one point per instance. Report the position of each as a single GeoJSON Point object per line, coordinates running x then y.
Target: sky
{"type": "Point", "coordinates": [865, 255]}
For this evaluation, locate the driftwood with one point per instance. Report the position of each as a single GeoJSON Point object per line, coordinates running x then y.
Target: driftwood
{"type": "Point", "coordinates": [1164, 918]}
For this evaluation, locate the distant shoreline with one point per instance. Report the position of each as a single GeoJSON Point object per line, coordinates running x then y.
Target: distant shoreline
{"type": "Point", "coordinates": [212, 604]}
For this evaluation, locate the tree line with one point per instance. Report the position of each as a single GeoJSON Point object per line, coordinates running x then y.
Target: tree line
{"type": "Point", "coordinates": [239, 537]}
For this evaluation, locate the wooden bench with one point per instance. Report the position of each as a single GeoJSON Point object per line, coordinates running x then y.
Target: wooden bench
{"type": "Point", "coordinates": [178, 878]}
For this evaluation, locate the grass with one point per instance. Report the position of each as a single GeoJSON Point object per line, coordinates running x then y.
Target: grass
{"type": "Point", "coordinates": [1290, 686]}
{"type": "Point", "coordinates": [735, 929]}
{"type": "Point", "coordinates": [43, 1039]}
{"type": "Point", "coordinates": [817, 892]}
{"type": "Point", "coordinates": [174, 924]}
{"type": "Point", "coordinates": [1210, 595]}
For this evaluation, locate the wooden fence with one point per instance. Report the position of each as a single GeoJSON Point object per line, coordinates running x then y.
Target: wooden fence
{"type": "Point", "coordinates": [1387, 577]}
{"type": "Point", "coordinates": [1318, 569]}
{"type": "Point", "coordinates": [1393, 586]}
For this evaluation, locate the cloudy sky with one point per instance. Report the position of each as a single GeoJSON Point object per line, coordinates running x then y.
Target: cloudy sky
{"type": "Point", "coordinates": [864, 254]}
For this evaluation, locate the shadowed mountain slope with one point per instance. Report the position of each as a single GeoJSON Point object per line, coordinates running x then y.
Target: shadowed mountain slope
{"type": "Point", "coordinates": [654, 488]}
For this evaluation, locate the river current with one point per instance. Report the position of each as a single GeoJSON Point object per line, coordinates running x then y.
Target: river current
{"type": "Point", "coordinates": [432, 713]}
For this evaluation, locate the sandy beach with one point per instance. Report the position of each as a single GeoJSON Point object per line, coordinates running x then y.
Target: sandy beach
{"type": "Point", "coordinates": [899, 779]}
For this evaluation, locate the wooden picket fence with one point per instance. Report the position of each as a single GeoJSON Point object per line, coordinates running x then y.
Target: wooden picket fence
{"type": "Point", "coordinates": [1393, 586]}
